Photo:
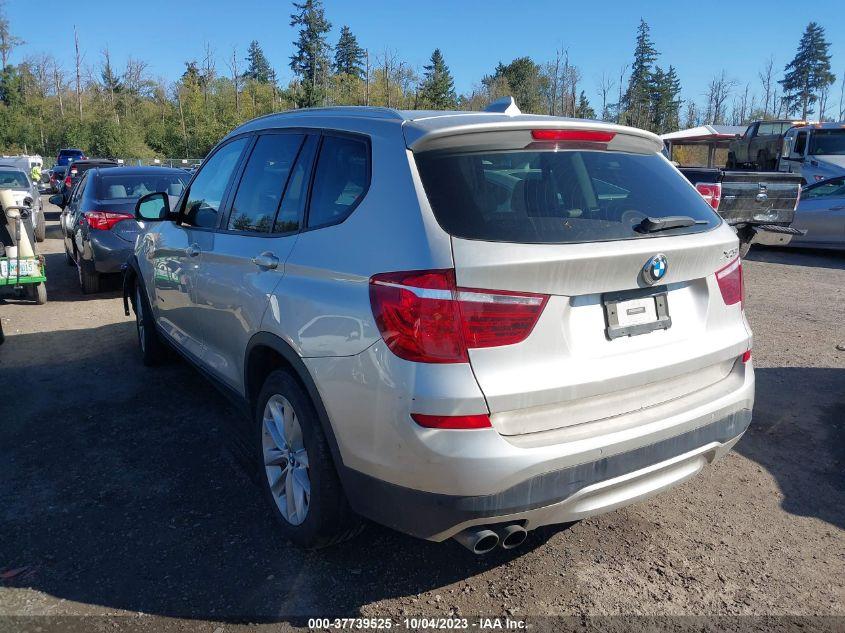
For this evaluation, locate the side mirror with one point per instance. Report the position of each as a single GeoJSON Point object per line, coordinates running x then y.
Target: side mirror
{"type": "Point", "coordinates": [58, 200]}
{"type": "Point", "coordinates": [152, 207]}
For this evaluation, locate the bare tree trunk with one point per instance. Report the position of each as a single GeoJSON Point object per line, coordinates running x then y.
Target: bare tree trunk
{"type": "Point", "coordinates": [57, 81]}
{"type": "Point", "coordinates": [182, 120]}
{"type": "Point", "coordinates": [236, 80]}
{"type": "Point", "coordinates": [622, 72]}
{"type": "Point", "coordinates": [367, 79]}
{"type": "Point", "coordinates": [78, 74]}
{"type": "Point", "coordinates": [765, 76]}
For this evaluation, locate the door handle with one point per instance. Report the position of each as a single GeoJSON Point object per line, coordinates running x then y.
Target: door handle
{"type": "Point", "coordinates": [266, 260]}
{"type": "Point", "coordinates": [193, 250]}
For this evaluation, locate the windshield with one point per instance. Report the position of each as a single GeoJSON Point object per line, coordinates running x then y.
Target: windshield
{"type": "Point", "coordinates": [827, 142]}
{"type": "Point", "coordinates": [129, 186]}
{"type": "Point", "coordinates": [556, 196]}
{"type": "Point", "coordinates": [67, 156]}
{"type": "Point", "coordinates": [13, 179]}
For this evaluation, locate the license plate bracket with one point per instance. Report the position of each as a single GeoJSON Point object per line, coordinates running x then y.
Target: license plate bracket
{"type": "Point", "coordinates": [635, 312]}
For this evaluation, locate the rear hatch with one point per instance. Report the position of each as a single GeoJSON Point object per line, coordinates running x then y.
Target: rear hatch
{"type": "Point", "coordinates": [631, 317]}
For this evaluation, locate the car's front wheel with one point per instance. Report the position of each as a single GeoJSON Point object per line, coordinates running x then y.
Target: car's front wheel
{"type": "Point", "coordinates": [297, 475]}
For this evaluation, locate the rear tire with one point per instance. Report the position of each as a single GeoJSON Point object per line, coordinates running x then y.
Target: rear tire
{"type": "Point", "coordinates": [744, 247]}
{"type": "Point", "coordinates": [41, 228]}
{"type": "Point", "coordinates": [287, 434]}
{"type": "Point", "coordinates": [153, 349]}
{"type": "Point", "coordinates": [89, 279]}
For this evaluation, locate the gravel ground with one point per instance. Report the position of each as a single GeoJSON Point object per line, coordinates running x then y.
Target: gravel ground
{"type": "Point", "coordinates": [122, 494]}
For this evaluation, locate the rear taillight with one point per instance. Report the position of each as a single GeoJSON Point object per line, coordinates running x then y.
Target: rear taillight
{"type": "Point", "coordinates": [105, 220]}
{"type": "Point", "coordinates": [746, 356]}
{"type": "Point", "coordinates": [729, 279]}
{"type": "Point", "coordinates": [711, 192]}
{"type": "Point", "coordinates": [424, 317]}
{"type": "Point", "coordinates": [481, 421]}
{"type": "Point", "coordinates": [68, 181]}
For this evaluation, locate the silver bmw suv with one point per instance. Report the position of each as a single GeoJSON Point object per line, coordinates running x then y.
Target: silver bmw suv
{"type": "Point", "coordinates": [456, 324]}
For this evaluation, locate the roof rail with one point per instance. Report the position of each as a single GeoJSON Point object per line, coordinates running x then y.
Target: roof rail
{"type": "Point", "coordinates": [505, 105]}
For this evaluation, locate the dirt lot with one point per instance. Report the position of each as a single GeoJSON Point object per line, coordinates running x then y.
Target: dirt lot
{"type": "Point", "coordinates": [121, 493]}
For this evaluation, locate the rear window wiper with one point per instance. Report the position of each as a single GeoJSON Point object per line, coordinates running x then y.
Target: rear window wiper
{"type": "Point", "coordinates": [652, 225]}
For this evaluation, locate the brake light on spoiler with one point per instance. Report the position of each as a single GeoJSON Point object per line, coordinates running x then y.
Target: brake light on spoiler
{"type": "Point", "coordinates": [578, 136]}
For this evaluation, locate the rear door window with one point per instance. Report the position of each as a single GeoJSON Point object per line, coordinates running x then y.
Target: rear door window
{"type": "Point", "coordinates": [263, 182]}
{"type": "Point", "coordinates": [542, 196]}
{"type": "Point", "coordinates": [341, 179]}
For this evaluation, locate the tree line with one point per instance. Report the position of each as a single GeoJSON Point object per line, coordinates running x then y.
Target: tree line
{"type": "Point", "coordinates": [110, 111]}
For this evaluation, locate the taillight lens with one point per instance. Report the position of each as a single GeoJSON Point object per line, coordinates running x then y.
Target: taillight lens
{"type": "Point", "coordinates": [481, 421]}
{"type": "Point", "coordinates": [105, 220]}
{"type": "Point", "coordinates": [589, 136]}
{"type": "Point", "coordinates": [424, 317]}
{"type": "Point", "coordinates": [746, 356]}
{"type": "Point", "coordinates": [711, 192]}
{"type": "Point", "coordinates": [68, 181]}
{"type": "Point", "coordinates": [729, 279]}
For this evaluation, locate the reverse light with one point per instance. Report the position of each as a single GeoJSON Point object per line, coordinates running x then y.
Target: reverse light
{"type": "Point", "coordinates": [711, 192]}
{"type": "Point", "coordinates": [481, 421]}
{"type": "Point", "coordinates": [729, 279]}
{"type": "Point", "coordinates": [424, 317]}
{"type": "Point", "coordinates": [105, 220]}
{"type": "Point", "coordinates": [590, 136]}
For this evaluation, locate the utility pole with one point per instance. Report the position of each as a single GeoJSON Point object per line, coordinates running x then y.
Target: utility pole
{"type": "Point", "coordinates": [78, 74]}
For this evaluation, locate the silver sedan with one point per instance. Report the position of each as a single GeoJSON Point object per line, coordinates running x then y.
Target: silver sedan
{"type": "Point", "coordinates": [821, 213]}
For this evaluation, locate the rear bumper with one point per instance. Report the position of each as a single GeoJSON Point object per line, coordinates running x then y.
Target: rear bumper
{"type": "Point", "coordinates": [560, 496]}
{"type": "Point", "coordinates": [433, 483]}
{"type": "Point", "coordinates": [108, 252]}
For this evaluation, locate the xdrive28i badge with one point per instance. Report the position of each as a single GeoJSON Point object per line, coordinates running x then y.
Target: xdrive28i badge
{"type": "Point", "coordinates": [655, 269]}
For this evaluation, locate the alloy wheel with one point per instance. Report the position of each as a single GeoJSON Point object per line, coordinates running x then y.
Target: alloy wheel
{"type": "Point", "coordinates": [285, 459]}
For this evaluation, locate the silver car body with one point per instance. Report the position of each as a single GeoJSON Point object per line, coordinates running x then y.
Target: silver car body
{"type": "Point", "coordinates": [581, 424]}
{"type": "Point", "coordinates": [803, 154]}
{"type": "Point", "coordinates": [821, 213]}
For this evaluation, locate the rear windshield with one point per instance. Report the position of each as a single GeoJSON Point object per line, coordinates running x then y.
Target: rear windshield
{"type": "Point", "coordinates": [827, 142]}
{"type": "Point", "coordinates": [122, 186]}
{"type": "Point", "coordinates": [542, 196]}
{"type": "Point", "coordinates": [13, 179]}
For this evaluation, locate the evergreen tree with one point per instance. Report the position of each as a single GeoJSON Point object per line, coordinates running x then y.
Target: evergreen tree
{"type": "Point", "coordinates": [258, 68]}
{"type": "Point", "coordinates": [808, 73]}
{"type": "Point", "coordinates": [311, 60]}
{"type": "Point", "coordinates": [584, 110]}
{"type": "Point", "coordinates": [437, 89]}
{"type": "Point", "coordinates": [348, 55]}
{"type": "Point", "coordinates": [665, 102]}
{"type": "Point", "coordinates": [523, 80]}
{"type": "Point", "coordinates": [636, 102]}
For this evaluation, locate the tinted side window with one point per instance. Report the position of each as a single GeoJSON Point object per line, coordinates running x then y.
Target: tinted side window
{"type": "Point", "coordinates": [296, 194]}
{"type": "Point", "coordinates": [206, 193]}
{"type": "Point", "coordinates": [263, 182]}
{"type": "Point", "coordinates": [340, 180]}
{"type": "Point", "coordinates": [800, 143]}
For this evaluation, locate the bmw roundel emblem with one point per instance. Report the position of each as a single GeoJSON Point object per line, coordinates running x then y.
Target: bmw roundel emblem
{"type": "Point", "coordinates": [655, 269]}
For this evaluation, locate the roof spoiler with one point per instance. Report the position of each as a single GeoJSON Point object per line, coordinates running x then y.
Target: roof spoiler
{"type": "Point", "coordinates": [505, 105]}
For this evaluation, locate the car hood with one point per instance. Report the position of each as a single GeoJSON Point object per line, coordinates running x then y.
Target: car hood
{"type": "Point", "coordinates": [831, 161]}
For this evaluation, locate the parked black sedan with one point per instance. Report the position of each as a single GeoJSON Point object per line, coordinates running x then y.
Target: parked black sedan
{"type": "Point", "coordinates": [98, 221]}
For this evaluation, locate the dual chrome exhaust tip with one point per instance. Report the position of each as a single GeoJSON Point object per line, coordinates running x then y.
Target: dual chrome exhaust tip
{"type": "Point", "coordinates": [483, 540]}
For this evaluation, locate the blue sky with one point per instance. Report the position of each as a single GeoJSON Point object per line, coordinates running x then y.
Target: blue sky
{"type": "Point", "coordinates": [697, 37]}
